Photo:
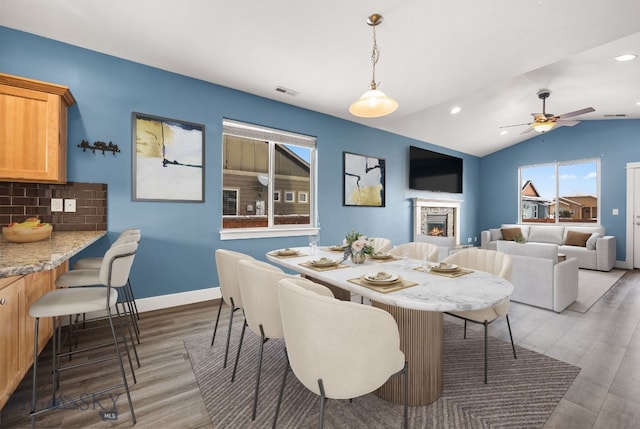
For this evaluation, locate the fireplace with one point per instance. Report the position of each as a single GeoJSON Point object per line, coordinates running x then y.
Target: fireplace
{"type": "Point", "coordinates": [437, 222]}
{"type": "Point", "coordinates": [437, 225]}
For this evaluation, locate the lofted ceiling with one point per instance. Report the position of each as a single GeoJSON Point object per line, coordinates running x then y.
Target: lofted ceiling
{"type": "Point", "coordinates": [488, 57]}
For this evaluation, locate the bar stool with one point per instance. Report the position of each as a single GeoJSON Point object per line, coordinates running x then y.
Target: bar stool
{"type": "Point", "coordinates": [90, 277]}
{"type": "Point", "coordinates": [113, 273]}
{"type": "Point", "coordinates": [127, 296]}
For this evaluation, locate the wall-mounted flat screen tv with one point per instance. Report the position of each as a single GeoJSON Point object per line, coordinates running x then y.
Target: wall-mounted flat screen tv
{"type": "Point", "coordinates": [433, 171]}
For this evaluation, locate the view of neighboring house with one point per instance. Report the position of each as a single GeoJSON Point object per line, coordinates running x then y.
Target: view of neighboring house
{"type": "Point", "coordinates": [534, 207]}
{"type": "Point", "coordinates": [577, 208]}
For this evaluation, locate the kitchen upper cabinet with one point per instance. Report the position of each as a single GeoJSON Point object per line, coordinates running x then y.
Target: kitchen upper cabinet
{"type": "Point", "coordinates": [33, 130]}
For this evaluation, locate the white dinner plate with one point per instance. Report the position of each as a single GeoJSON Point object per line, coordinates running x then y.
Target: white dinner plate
{"type": "Point", "coordinates": [444, 268]}
{"type": "Point", "coordinates": [324, 262]}
{"type": "Point", "coordinates": [381, 256]}
{"type": "Point", "coordinates": [380, 278]}
{"type": "Point", "coordinates": [287, 252]}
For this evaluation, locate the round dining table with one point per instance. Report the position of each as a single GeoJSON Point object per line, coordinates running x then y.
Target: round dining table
{"type": "Point", "coordinates": [417, 301]}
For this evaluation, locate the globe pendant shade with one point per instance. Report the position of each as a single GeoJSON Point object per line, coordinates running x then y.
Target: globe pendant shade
{"type": "Point", "coordinates": [542, 127]}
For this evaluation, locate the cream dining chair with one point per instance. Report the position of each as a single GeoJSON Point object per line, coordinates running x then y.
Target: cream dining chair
{"type": "Point", "coordinates": [380, 244]}
{"type": "Point", "coordinates": [330, 344]}
{"type": "Point", "coordinates": [227, 267]}
{"type": "Point", "coordinates": [493, 262]}
{"type": "Point", "coordinates": [417, 250]}
{"type": "Point", "coordinates": [258, 282]}
{"type": "Point", "coordinates": [259, 287]}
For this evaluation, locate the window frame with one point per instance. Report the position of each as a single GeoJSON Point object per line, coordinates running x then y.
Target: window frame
{"type": "Point", "coordinates": [274, 137]}
{"type": "Point", "coordinates": [557, 165]}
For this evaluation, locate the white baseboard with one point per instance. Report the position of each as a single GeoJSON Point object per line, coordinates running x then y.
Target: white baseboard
{"type": "Point", "coordinates": [177, 299]}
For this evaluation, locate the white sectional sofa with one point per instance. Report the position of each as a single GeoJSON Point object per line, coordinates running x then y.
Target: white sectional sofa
{"type": "Point", "coordinates": [537, 276]}
{"type": "Point", "coordinates": [588, 244]}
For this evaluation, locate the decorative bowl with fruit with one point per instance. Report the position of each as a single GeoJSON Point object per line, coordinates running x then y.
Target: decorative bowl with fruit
{"type": "Point", "coordinates": [28, 231]}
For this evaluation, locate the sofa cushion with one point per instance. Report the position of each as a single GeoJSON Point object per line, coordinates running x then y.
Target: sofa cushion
{"type": "Point", "coordinates": [591, 242]}
{"type": "Point", "coordinates": [546, 234]}
{"type": "Point", "coordinates": [575, 238]}
{"type": "Point", "coordinates": [495, 234]}
{"type": "Point", "coordinates": [510, 234]}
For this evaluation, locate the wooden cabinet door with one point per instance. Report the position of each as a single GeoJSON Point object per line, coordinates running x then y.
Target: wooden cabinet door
{"type": "Point", "coordinates": [32, 136]}
{"type": "Point", "coordinates": [10, 372]}
{"type": "Point", "coordinates": [36, 285]}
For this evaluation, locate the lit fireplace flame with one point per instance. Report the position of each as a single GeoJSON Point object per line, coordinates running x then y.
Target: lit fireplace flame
{"type": "Point", "coordinates": [436, 231]}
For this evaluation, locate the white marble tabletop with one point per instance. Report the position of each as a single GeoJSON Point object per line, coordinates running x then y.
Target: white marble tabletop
{"type": "Point", "coordinates": [433, 293]}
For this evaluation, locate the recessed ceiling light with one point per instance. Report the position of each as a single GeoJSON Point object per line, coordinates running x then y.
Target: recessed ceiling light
{"type": "Point", "coordinates": [625, 57]}
{"type": "Point", "coordinates": [503, 132]}
{"type": "Point", "coordinates": [456, 110]}
{"type": "Point", "coordinates": [638, 103]}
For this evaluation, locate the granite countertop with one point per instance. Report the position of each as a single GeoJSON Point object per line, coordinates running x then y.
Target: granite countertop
{"type": "Point", "coordinates": [26, 258]}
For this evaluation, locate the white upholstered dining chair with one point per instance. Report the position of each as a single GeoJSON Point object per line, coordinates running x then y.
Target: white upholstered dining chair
{"type": "Point", "coordinates": [258, 283]}
{"type": "Point", "coordinates": [380, 244]}
{"type": "Point", "coordinates": [417, 250]}
{"type": "Point", "coordinates": [330, 344]}
{"type": "Point", "coordinates": [493, 262]}
{"type": "Point", "coordinates": [227, 267]}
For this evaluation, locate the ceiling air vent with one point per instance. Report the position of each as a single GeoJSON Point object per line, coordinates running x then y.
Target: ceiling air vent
{"type": "Point", "coordinates": [616, 115]}
{"type": "Point", "coordinates": [287, 91]}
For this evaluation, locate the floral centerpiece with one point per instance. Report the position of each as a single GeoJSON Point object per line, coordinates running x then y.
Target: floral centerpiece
{"type": "Point", "coordinates": [358, 246]}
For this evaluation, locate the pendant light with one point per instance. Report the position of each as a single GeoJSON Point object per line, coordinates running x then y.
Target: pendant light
{"type": "Point", "coordinates": [373, 103]}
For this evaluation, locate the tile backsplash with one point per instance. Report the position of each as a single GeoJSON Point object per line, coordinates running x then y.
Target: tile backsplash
{"type": "Point", "coordinates": [19, 201]}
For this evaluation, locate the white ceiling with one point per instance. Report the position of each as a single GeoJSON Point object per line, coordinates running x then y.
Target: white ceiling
{"type": "Point", "coordinates": [490, 57]}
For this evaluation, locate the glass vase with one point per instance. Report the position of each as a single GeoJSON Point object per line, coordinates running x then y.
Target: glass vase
{"type": "Point", "coordinates": [358, 258]}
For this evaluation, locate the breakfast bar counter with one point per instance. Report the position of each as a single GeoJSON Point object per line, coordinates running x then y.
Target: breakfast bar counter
{"type": "Point", "coordinates": [25, 258]}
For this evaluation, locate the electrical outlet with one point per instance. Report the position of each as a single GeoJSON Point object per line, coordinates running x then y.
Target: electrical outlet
{"type": "Point", "coordinates": [468, 239]}
{"type": "Point", "coordinates": [70, 205]}
{"type": "Point", "coordinates": [56, 204]}
{"type": "Point", "coordinates": [475, 239]}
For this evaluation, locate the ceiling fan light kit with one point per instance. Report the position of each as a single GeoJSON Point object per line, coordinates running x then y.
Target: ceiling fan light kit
{"type": "Point", "coordinates": [373, 103]}
{"type": "Point", "coordinates": [543, 122]}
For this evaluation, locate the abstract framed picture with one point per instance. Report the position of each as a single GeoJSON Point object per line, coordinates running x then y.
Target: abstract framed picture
{"type": "Point", "coordinates": [168, 159]}
{"type": "Point", "coordinates": [363, 180]}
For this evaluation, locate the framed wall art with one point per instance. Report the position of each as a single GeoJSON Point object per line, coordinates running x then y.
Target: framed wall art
{"type": "Point", "coordinates": [364, 180]}
{"type": "Point", "coordinates": [167, 159]}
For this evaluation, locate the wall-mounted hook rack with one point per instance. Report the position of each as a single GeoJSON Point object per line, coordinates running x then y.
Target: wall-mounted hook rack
{"type": "Point", "coordinates": [110, 147]}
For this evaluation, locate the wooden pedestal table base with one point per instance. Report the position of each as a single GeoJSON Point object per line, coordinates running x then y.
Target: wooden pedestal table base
{"type": "Point", "coordinates": [421, 334]}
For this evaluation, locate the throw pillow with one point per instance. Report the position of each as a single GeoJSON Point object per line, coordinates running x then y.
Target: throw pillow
{"type": "Point", "coordinates": [575, 238]}
{"type": "Point", "coordinates": [495, 234]}
{"type": "Point", "coordinates": [510, 234]}
{"type": "Point", "coordinates": [591, 242]}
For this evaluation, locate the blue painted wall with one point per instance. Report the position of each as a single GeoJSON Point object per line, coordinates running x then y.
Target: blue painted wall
{"type": "Point", "coordinates": [615, 142]}
{"type": "Point", "coordinates": [179, 239]}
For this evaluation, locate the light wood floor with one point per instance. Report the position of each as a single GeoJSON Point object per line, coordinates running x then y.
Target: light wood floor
{"type": "Point", "coordinates": [604, 342]}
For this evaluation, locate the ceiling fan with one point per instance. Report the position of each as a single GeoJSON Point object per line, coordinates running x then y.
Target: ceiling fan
{"type": "Point", "coordinates": [543, 122]}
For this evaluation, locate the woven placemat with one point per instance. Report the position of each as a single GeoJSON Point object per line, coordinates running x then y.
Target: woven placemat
{"type": "Point", "coordinates": [453, 274]}
{"type": "Point", "coordinates": [388, 288]}
{"type": "Point", "coordinates": [295, 255]}
{"type": "Point", "coordinates": [393, 258]}
{"type": "Point", "coordinates": [327, 268]}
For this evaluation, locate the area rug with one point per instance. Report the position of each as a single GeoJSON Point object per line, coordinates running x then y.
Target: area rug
{"type": "Point", "coordinates": [592, 285]}
{"type": "Point", "coordinates": [521, 393]}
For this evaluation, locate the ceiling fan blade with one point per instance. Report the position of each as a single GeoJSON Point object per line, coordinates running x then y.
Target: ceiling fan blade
{"type": "Point", "coordinates": [576, 113]}
{"type": "Point", "coordinates": [516, 125]}
{"type": "Point", "coordinates": [528, 130]}
{"type": "Point", "coordinates": [562, 122]}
